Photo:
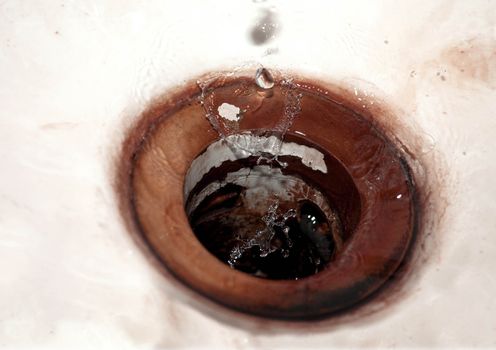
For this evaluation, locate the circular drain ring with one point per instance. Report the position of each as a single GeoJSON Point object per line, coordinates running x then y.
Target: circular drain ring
{"type": "Point", "coordinates": [177, 132]}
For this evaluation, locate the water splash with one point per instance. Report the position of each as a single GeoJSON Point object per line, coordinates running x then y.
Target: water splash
{"type": "Point", "coordinates": [225, 106]}
{"type": "Point", "coordinates": [248, 97]}
{"type": "Point", "coordinates": [263, 238]}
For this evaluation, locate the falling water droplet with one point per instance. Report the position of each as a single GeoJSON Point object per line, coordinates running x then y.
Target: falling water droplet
{"type": "Point", "coordinates": [264, 79]}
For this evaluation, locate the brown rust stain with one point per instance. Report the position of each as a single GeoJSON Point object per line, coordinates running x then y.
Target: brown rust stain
{"type": "Point", "coordinates": [474, 60]}
{"type": "Point", "coordinates": [467, 64]}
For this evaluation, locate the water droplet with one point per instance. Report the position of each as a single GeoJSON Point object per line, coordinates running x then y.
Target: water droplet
{"type": "Point", "coordinates": [266, 28]}
{"type": "Point", "coordinates": [264, 79]}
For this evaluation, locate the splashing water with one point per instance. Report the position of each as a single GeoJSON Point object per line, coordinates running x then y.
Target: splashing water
{"type": "Point", "coordinates": [261, 221]}
{"type": "Point", "coordinates": [216, 97]}
{"type": "Point", "coordinates": [263, 238]}
{"type": "Point", "coordinates": [225, 106]}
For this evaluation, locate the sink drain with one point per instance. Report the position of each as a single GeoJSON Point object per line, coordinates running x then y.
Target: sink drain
{"type": "Point", "coordinates": [294, 225]}
{"type": "Point", "coordinates": [279, 220]}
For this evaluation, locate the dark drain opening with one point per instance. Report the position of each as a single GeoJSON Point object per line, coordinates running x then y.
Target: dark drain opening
{"type": "Point", "coordinates": [277, 220]}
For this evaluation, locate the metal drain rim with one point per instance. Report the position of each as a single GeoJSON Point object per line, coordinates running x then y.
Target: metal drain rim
{"type": "Point", "coordinates": [314, 296]}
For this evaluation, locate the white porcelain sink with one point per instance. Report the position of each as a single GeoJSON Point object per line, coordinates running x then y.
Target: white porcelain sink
{"type": "Point", "coordinates": [75, 74]}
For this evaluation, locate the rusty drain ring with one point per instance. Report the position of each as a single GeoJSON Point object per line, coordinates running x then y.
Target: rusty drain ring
{"type": "Point", "coordinates": [174, 131]}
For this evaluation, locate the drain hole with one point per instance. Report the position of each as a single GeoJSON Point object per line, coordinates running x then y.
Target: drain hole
{"type": "Point", "coordinates": [286, 204]}
{"type": "Point", "coordinates": [272, 219]}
